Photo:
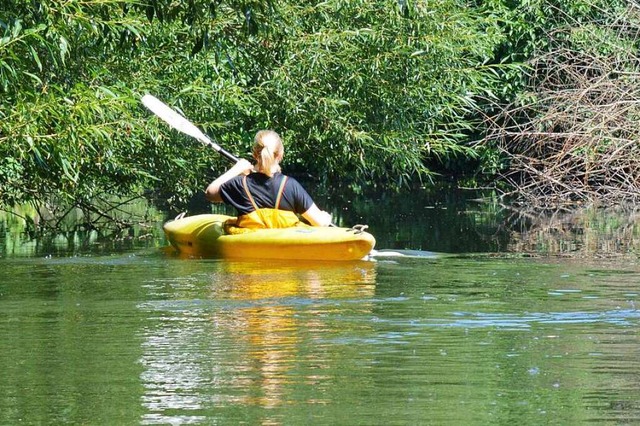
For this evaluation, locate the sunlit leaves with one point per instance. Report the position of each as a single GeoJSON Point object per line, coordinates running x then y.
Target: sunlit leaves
{"type": "Point", "coordinates": [364, 92]}
{"type": "Point", "coordinates": [376, 92]}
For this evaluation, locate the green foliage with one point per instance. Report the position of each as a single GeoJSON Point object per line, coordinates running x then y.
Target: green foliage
{"type": "Point", "coordinates": [377, 90]}
{"type": "Point", "coordinates": [71, 127]}
{"type": "Point", "coordinates": [363, 92]}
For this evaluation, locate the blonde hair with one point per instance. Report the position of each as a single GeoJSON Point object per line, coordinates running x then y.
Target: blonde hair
{"type": "Point", "coordinates": [268, 151]}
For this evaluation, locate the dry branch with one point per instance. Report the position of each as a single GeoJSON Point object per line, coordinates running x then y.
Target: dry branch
{"type": "Point", "coordinates": [579, 140]}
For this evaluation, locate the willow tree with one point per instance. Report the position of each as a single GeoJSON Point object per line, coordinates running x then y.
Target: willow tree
{"type": "Point", "coordinates": [364, 92]}
{"type": "Point", "coordinates": [380, 90]}
{"type": "Point", "coordinates": [72, 130]}
{"type": "Point", "coordinates": [67, 128]}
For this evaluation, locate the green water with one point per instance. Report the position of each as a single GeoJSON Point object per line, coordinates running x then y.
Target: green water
{"type": "Point", "coordinates": [138, 337]}
{"type": "Point", "coordinates": [101, 327]}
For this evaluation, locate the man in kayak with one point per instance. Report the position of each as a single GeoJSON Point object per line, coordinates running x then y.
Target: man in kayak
{"type": "Point", "coordinates": [262, 195]}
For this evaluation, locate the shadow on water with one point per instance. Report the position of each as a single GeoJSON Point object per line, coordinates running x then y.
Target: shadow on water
{"type": "Point", "coordinates": [465, 222]}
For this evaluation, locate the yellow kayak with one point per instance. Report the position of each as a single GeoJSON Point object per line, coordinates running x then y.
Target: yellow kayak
{"type": "Point", "coordinates": [204, 236]}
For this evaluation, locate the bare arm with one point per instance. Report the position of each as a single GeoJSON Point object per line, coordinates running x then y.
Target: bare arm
{"type": "Point", "coordinates": [317, 217]}
{"type": "Point", "coordinates": [212, 193]}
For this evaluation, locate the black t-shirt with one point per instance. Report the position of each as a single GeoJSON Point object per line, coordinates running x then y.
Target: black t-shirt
{"type": "Point", "coordinates": [264, 190]}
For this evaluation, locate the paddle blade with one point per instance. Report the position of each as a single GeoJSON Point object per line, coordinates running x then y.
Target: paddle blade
{"type": "Point", "coordinates": [173, 119]}
{"type": "Point", "coordinates": [181, 124]}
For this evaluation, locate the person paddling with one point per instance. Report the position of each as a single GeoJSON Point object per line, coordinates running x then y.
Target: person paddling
{"type": "Point", "coordinates": [262, 196]}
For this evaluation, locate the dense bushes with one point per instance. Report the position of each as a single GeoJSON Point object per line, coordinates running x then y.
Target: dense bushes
{"type": "Point", "coordinates": [571, 135]}
{"type": "Point", "coordinates": [364, 92]}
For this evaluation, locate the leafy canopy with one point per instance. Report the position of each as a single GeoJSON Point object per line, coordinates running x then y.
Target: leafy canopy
{"type": "Point", "coordinates": [364, 92]}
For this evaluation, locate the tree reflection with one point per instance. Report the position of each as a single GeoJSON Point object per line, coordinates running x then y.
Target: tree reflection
{"type": "Point", "coordinates": [590, 232]}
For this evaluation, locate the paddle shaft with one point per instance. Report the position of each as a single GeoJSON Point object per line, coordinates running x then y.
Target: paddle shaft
{"type": "Point", "coordinates": [181, 124]}
{"type": "Point", "coordinates": [226, 154]}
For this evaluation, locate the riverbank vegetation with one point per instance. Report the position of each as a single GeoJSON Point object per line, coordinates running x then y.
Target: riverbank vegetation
{"type": "Point", "coordinates": [573, 137]}
{"type": "Point", "coordinates": [538, 97]}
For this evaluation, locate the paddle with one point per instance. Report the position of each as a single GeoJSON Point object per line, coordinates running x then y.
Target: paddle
{"type": "Point", "coordinates": [181, 124]}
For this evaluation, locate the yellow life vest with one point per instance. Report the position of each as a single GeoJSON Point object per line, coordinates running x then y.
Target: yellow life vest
{"type": "Point", "coordinates": [261, 218]}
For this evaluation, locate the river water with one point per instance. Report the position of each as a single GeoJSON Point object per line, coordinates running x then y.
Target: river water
{"type": "Point", "coordinates": [128, 334]}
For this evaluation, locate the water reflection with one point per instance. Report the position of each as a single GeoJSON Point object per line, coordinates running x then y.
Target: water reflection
{"type": "Point", "coordinates": [471, 320]}
{"type": "Point", "coordinates": [465, 339]}
{"type": "Point", "coordinates": [269, 327]}
{"type": "Point", "coordinates": [26, 232]}
{"type": "Point", "coordinates": [455, 340]}
{"type": "Point", "coordinates": [242, 341]}
{"type": "Point", "coordinates": [590, 232]}
{"type": "Point", "coordinates": [445, 221]}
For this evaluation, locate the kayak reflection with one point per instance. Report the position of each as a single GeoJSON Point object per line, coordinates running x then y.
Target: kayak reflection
{"type": "Point", "coordinates": [247, 334]}
{"type": "Point", "coordinates": [314, 280]}
{"type": "Point", "coordinates": [282, 320]}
